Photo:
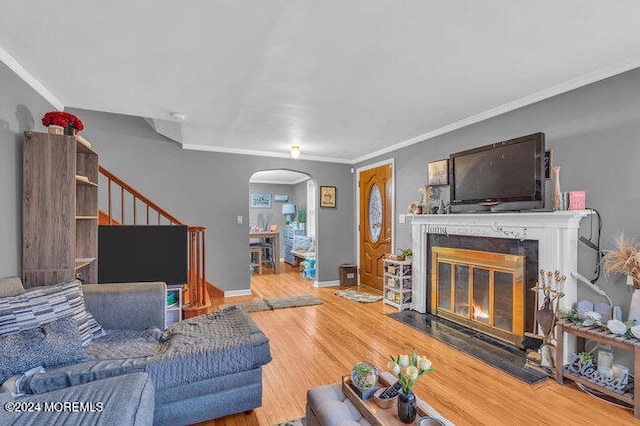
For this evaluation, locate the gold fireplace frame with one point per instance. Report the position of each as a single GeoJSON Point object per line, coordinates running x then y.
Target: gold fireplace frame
{"type": "Point", "coordinates": [494, 262]}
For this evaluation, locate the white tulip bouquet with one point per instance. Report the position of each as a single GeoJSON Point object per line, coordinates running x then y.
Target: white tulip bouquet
{"type": "Point", "coordinates": [409, 370]}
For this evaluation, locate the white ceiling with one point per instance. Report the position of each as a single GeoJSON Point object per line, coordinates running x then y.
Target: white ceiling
{"type": "Point", "coordinates": [283, 177]}
{"type": "Point", "coordinates": [342, 79]}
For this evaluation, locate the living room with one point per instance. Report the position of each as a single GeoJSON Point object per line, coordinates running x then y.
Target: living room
{"type": "Point", "coordinates": [590, 123]}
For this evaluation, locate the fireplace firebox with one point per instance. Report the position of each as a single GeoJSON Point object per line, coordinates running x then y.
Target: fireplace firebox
{"type": "Point", "coordinates": [481, 290]}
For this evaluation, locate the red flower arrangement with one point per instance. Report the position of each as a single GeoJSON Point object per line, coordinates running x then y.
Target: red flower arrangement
{"type": "Point", "coordinates": [62, 119]}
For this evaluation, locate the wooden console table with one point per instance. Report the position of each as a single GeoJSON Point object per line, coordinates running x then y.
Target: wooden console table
{"type": "Point", "coordinates": [607, 338]}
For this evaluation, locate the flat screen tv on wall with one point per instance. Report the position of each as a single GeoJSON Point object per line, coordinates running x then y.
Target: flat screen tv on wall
{"type": "Point", "coordinates": [142, 253]}
{"type": "Point", "coordinates": [508, 175]}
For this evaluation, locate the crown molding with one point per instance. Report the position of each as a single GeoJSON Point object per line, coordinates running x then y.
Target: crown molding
{"type": "Point", "coordinates": [28, 78]}
{"type": "Point", "coordinates": [279, 182]}
{"type": "Point", "coordinates": [257, 153]}
{"type": "Point", "coordinates": [583, 80]}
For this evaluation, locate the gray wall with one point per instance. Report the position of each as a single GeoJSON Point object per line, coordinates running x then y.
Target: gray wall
{"type": "Point", "coordinates": [594, 132]}
{"type": "Point", "coordinates": [275, 212]}
{"type": "Point", "coordinates": [212, 189]}
{"type": "Point", "coordinates": [21, 108]}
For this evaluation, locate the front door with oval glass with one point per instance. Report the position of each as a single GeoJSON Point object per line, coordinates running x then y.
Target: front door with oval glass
{"type": "Point", "coordinates": [375, 224]}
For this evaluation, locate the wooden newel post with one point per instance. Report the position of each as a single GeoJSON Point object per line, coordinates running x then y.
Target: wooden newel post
{"type": "Point", "coordinates": [197, 295]}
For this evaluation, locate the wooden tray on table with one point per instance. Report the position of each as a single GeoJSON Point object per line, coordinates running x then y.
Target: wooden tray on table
{"type": "Point", "coordinates": [369, 409]}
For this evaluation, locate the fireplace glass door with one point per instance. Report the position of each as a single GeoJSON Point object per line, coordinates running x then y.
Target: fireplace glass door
{"type": "Point", "coordinates": [480, 290]}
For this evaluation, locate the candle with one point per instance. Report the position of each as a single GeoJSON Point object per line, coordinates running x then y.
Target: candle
{"type": "Point", "coordinates": [620, 372]}
{"type": "Point", "coordinates": [605, 363]}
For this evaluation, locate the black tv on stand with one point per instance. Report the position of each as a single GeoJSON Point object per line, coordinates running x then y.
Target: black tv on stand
{"type": "Point", "coordinates": [143, 253]}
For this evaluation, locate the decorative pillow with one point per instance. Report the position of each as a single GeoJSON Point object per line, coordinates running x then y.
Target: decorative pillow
{"type": "Point", "coordinates": [10, 286]}
{"type": "Point", "coordinates": [56, 343]}
{"type": "Point", "coordinates": [43, 305]}
{"type": "Point", "coordinates": [303, 243]}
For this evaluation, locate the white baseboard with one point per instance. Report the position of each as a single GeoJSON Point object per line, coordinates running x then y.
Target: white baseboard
{"type": "Point", "coordinates": [233, 293]}
{"type": "Point", "coordinates": [326, 283]}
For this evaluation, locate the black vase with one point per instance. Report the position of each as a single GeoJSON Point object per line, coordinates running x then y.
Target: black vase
{"type": "Point", "coordinates": [70, 130]}
{"type": "Point", "coordinates": [407, 407]}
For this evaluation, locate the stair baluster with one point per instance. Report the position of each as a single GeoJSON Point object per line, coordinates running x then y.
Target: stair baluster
{"type": "Point", "coordinates": [196, 295]}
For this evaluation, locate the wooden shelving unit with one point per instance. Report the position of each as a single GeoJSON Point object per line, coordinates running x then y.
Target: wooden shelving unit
{"type": "Point", "coordinates": [173, 311]}
{"type": "Point", "coordinates": [583, 333]}
{"type": "Point", "coordinates": [398, 283]}
{"type": "Point", "coordinates": [60, 210]}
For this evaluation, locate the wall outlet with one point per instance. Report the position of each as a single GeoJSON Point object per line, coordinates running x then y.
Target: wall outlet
{"type": "Point", "coordinates": [239, 219]}
{"type": "Point", "coordinates": [402, 218]}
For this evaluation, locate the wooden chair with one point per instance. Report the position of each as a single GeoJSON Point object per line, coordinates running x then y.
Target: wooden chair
{"type": "Point", "coordinates": [267, 246]}
{"type": "Point", "coordinates": [257, 251]}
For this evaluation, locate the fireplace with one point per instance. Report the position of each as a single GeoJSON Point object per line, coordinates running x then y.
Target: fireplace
{"type": "Point", "coordinates": [555, 235]}
{"type": "Point", "coordinates": [480, 290]}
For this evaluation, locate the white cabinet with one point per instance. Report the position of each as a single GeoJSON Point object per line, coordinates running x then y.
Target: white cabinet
{"type": "Point", "coordinates": [173, 310]}
{"type": "Point", "coordinates": [397, 283]}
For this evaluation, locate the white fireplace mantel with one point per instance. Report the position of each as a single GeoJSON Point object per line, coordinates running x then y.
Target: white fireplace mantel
{"type": "Point", "coordinates": [556, 233]}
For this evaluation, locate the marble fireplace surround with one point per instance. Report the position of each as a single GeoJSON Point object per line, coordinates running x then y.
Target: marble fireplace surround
{"type": "Point", "coordinates": [556, 233]}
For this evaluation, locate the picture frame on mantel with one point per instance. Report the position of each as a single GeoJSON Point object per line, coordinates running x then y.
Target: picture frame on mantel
{"type": "Point", "coordinates": [328, 197]}
{"type": "Point", "coordinates": [548, 162]}
{"type": "Point", "coordinates": [438, 172]}
{"type": "Point", "coordinates": [260, 201]}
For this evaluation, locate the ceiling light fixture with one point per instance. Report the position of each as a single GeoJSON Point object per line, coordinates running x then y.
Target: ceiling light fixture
{"type": "Point", "coordinates": [295, 151]}
{"type": "Point", "coordinates": [180, 116]}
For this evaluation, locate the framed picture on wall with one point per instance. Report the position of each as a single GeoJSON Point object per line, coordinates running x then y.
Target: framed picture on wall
{"type": "Point", "coordinates": [260, 201]}
{"type": "Point", "coordinates": [328, 196]}
{"type": "Point", "coordinates": [281, 198]}
{"type": "Point", "coordinates": [438, 172]}
{"type": "Point", "coordinates": [548, 162]}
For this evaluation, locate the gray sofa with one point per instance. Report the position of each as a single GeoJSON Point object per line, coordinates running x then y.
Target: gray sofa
{"type": "Point", "coordinates": [199, 369]}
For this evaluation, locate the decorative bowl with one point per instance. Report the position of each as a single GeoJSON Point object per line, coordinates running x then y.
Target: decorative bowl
{"type": "Point", "coordinates": [386, 402]}
{"type": "Point", "coordinates": [429, 421]}
{"type": "Point", "coordinates": [364, 376]}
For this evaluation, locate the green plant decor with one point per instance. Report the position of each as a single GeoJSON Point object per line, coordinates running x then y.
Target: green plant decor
{"type": "Point", "coordinates": [406, 252]}
{"type": "Point", "coordinates": [302, 214]}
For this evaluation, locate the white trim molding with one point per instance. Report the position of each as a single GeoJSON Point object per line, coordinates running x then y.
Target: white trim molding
{"type": "Point", "coordinates": [583, 80]}
{"type": "Point", "coordinates": [320, 284]}
{"type": "Point", "coordinates": [240, 151]}
{"type": "Point", "coordinates": [28, 78]}
{"type": "Point", "coordinates": [234, 293]}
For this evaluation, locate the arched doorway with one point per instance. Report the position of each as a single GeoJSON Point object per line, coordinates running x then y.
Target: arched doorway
{"type": "Point", "coordinates": [284, 201]}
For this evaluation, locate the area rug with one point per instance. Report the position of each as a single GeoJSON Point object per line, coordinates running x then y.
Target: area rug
{"type": "Point", "coordinates": [276, 303]}
{"type": "Point", "coordinates": [358, 296]}
{"type": "Point", "coordinates": [295, 422]}
{"type": "Point", "coordinates": [502, 356]}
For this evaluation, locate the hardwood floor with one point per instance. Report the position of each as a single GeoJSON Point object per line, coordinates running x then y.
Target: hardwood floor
{"type": "Point", "coordinates": [315, 345]}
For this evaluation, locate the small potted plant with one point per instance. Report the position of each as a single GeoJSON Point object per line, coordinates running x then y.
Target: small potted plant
{"type": "Point", "coordinates": [406, 253]}
{"type": "Point", "coordinates": [302, 216]}
{"type": "Point", "coordinates": [60, 123]}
